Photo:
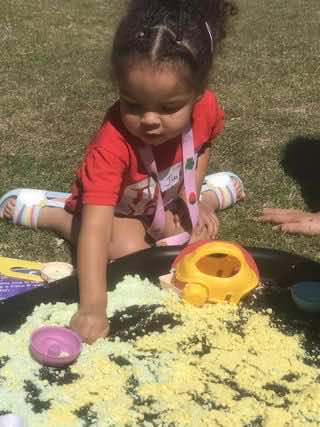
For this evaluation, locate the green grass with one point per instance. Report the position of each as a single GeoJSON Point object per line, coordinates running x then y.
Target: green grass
{"type": "Point", "coordinates": [55, 89]}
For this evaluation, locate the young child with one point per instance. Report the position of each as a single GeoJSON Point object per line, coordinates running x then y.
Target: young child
{"type": "Point", "coordinates": [140, 181]}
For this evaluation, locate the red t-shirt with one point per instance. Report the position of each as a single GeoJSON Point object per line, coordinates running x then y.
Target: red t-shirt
{"type": "Point", "coordinates": [111, 161]}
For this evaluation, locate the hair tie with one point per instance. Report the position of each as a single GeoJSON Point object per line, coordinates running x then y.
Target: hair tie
{"type": "Point", "coordinates": [140, 35]}
{"type": "Point", "coordinates": [210, 35]}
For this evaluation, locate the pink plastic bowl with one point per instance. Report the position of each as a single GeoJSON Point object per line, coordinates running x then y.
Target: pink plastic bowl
{"type": "Point", "coordinates": [55, 345]}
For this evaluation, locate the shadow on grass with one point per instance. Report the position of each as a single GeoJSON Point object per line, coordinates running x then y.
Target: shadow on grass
{"type": "Point", "coordinates": [300, 160]}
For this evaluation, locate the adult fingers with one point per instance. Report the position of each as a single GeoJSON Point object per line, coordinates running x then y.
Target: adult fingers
{"type": "Point", "coordinates": [309, 228]}
{"type": "Point", "coordinates": [282, 216]}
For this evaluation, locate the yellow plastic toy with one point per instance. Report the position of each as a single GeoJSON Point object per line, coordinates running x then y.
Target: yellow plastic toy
{"type": "Point", "coordinates": [21, 269]}
{"type": "Point", "coordinates": [214, 272]}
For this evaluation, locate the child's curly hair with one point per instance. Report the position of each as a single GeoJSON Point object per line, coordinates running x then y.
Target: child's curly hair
{"type": "Point", "coordinates": [173, 32]}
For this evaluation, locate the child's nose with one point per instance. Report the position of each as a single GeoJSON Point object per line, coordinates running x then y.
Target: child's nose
{"type": "Point", "coordinates": [150, 119]}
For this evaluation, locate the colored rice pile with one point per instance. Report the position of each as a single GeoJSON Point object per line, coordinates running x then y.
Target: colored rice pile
{"type": "Point", "coordinates": [165, 364]}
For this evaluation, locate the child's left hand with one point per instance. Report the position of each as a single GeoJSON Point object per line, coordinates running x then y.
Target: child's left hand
{"type": "Point", "coordinates": [208, 223]}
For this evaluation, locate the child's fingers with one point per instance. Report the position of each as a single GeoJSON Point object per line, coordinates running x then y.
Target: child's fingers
{"type": "Point", "coordinates": [212, 225]}
{"type": "Point", "coordinates": [215, 227]}
{"type": "Point", "coordinates": [89, 327]}
{"type": "Point", "coordinates": [199, 227]}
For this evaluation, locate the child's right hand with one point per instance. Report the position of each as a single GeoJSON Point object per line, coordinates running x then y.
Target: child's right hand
{"type": "Point", "coordinates": [90, 325]}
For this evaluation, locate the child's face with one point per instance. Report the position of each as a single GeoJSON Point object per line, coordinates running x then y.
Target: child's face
{"type": "Point", "coordinates": [155, 104]}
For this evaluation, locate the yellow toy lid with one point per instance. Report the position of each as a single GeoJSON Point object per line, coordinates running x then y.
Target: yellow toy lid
{"type": "Point", "coordinates": [217, 271]}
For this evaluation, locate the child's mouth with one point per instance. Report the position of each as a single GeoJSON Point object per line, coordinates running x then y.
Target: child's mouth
{"type": "Point", "coordinates": [152, 137]}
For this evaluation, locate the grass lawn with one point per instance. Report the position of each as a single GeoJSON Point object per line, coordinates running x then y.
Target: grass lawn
{"type": "Point", "coordinates": [55, 89]}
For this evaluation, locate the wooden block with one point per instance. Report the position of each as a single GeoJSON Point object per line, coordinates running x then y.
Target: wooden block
{"type": "Point", "coordinates": [167, 282]}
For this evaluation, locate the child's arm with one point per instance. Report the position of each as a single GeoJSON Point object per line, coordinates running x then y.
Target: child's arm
{"type": "Point", "coordinates": [90, 321]}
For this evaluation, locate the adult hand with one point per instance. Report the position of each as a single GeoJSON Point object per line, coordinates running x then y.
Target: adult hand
{"type": "Point", "coordinates": [292, 220]}
{"type": "Point", "coordinates": [90, 325]}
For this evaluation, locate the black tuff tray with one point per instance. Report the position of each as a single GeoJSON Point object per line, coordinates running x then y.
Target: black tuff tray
{"type": "Point", "coordinates": [277, 268]}
{"type": "Point", "coordinates": [278, 271]}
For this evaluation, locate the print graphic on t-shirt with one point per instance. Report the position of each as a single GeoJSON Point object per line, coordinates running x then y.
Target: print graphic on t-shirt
{"type": "Point", "coordinates": [139, 198]}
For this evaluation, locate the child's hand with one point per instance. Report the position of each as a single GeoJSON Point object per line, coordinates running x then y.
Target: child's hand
{"type": "Point", "coordinates": [208, 224]}
{"type": "Point", "coordinates": [90, 325]}
{"type": "Point", "coordinates": [208, 221]}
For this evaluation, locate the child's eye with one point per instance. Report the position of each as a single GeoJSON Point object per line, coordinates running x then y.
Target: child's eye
{"type": "Point", "coordinates": [170, 109]}
{"type": "Point", "coordinates": [131, 105]}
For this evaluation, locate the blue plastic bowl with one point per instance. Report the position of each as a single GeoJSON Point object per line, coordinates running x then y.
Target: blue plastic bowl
{"type": "Point", "coordinates": [306, 295]}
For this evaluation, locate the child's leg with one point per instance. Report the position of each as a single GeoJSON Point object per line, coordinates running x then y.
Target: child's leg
{"type": "Point", "coordinates": [50, 218]}
{"type": "Point", "coordinates": [211, 198]}
{"type": "Point", "coordinates": [222, 190]}
{"type": "Point", "coordinates": [128, 234]}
